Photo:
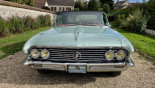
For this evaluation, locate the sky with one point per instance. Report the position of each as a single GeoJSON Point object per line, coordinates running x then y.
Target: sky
{"type": "Point", "coordinates": [132, 1]}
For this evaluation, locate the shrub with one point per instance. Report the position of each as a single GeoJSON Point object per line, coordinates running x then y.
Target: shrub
{"type": "Point", "coordinates": [148, 9]}
{"type": "Point", "coordinates": [46, 8]}
{"type": "Point", "coordinates": [151, 11]}
{"type": "Point", "coordinates": [44, 20]}
{"type": "Point", "coordinates": [18, 24]}
{"type": "Point", "coordinates": [27, 23]}
{"type": "Point", "coordinates": [112, 17]}
{"type": "Point", "coordinates": [100, 9]}
{"type": "Point", "coordinates": [106, 8]}
{"type": "Point", "coordinates": [15, 25]}
{"type": "Point", "coordinates": [127, 11]}
{"type": "Point", "coordinates": [25, 2]}
{"type": "Point", "coordinates": [136, 22]}
{"type": "Point", "coordinates": [3, 27]}
{"type": "Point", "coordinates": [76, 9]}
{"type": "Point", "coordinates": [93, 5]}
{"type": "Point", "coordinates": [116, 23]}
{"type": "Point", "coordinates": [47, 20]}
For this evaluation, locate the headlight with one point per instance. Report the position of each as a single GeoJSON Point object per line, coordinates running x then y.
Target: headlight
{"type": "Point", "coordinates": [121, 55]}
{"type": "Point", "coordinates": [109, 55]}
{"type": "Point", "coordinates": [35, 53]}
{"type": "Point", "coordinates": [45, 54]}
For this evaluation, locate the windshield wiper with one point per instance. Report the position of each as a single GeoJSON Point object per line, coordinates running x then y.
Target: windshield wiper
{"type": "Point", "coordinates": [70, 24]}
{"type": "Point", "coordinates": [66, 25]}
{"type": "Point", "coordinates": [95, 25]}
{"type": "Point", "coordinates": [81, 24]}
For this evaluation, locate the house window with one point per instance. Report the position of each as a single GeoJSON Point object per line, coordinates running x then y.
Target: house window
{"type": "Point", "coordinates": [53, 8]}
{"type": "Point", "coordinates": [68, 9]}
{"type": "Point", "coordinates": [61, 8]}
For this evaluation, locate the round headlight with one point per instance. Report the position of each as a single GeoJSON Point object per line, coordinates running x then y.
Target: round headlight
{"type": "Point", "coordinates": [45, 54]}
{"type": "Point", "coordinates": [35, 53]}
{"type": "Point", "coordinates": [121, 55]}
{"type": "Point", "coordinates": [109, 55]}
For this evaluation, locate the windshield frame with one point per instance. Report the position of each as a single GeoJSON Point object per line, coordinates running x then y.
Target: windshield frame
{"type": "Point", "coordinates": [105, 16]}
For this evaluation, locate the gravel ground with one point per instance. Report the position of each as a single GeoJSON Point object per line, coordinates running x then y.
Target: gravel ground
{"type": "Point", "coordinates": [14, 75]}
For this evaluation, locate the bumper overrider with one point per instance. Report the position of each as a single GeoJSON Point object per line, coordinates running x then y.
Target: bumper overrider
{"type": "Point", "coordinates": [89, 67]}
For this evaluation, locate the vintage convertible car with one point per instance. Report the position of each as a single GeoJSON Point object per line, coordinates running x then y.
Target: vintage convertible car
{"type": "Point", "coordinates": [79, 42]}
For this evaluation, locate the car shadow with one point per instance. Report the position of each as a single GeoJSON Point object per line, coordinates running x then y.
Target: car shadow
{"type": "Point", "coordinates": [59, 77]}
{"type": "Point", "coordinates": [12, 48]}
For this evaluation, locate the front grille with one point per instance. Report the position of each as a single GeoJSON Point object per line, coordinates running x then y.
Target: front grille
{"type": "Point", "coordinates": [87, 55]}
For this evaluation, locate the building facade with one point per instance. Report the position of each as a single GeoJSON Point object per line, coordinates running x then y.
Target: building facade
{"type": "Point", "coordinates": [121, 4]}
{"type": "Point", "coordinates": [56, 5]}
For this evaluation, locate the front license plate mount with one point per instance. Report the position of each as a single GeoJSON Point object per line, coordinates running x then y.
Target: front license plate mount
{"type": "Point", "coordinates": [77, 69]}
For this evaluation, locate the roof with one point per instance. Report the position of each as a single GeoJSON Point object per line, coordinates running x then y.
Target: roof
{"type": "Point", "coordinates": [12, 4]}
{"type": "Point", "coordinates": [119, 3]}
{"type": "Point", "coordinates": [61, 2]}
{"type": "Point", "coordinates": [40, 3]}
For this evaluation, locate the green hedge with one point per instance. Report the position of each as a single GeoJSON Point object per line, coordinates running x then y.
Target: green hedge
{"type": "Point", "coordinates": [17, 24]}
{"type": "Point", "coordinates": [25, 2]}
{"type": "Point", "coordinates": [136, 22]}
{"type": "Point", "coordinates": [76, 9]}
{"type": "Point", "coordinates": [147, 8]}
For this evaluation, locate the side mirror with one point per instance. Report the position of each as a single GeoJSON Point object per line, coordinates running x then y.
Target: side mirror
{"type": "Point", "coordinates": [109, 25]}
{"type": "Point", "coordinates": [54, 21]}
{"type": "Point", "coordinates": [54, 24]}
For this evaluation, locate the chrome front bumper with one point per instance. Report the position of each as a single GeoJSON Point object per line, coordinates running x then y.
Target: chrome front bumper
{"type": "Point", "coordinates": [91, 67]}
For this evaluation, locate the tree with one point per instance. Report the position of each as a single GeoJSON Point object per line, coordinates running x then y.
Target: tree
{"type": "Point", "coordinates": [81, 5]}
{"type": "Point", "coordinates": [30, 2]}
{"type": "Point", "coordinates": [93, 5]}
{"type": "Point", "coordinates": [106, 8]}
{"type": "Point", "coordinates": [77, 4]}
{"type": "Point", "coordinates": [110, 2]}
{"type": "Point", "coordinates": [46, 8]}
{"type": "Point", "coordinates": [151, 11]}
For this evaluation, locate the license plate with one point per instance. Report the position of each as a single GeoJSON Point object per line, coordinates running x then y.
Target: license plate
{"type": "Point", "coordinates": [76, 69]}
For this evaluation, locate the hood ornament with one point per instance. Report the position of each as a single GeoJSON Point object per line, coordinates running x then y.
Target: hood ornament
{"type": "Point", "coordinates": [78, 32]}
{"type": "Point", "coordinates": [76, 36]}
{"type": "Point", "coordinates": [76, 55]}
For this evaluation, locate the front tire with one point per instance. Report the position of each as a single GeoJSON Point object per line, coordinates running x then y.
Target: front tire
{"type": "Point", "coordinates": [43, 71]}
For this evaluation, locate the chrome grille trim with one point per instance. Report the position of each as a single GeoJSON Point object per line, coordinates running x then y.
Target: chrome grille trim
{"type": "Point", "coordinates": [87, 54]}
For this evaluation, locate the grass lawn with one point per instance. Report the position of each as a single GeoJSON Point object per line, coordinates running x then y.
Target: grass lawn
{"type": "Point", "coordinates": [15, 43]}
{"type": "Point", "coordinates": [144, 43]}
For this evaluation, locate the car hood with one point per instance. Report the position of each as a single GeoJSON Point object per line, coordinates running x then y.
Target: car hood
{"type": "Point", "coordinates": [78, 36]}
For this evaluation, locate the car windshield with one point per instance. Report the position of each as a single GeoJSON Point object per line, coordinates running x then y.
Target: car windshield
{"type": "Point", "coordinates": [81, 18]}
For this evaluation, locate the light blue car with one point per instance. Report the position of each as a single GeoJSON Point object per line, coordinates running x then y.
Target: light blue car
{"type": "Point", "coordinates": [79, 42]}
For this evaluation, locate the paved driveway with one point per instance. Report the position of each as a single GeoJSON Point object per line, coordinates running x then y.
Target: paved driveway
{"type": "Point", "coordinates": [14, 75]}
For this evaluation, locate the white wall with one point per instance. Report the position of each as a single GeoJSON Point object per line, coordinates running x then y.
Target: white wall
{"type": "Point", "coordinates": [8, 11]}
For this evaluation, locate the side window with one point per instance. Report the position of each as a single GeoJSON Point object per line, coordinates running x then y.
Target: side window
{"type": "Point", "coordinates": [53, 8]}
{"type": "Point", "coordinates": [68, 9]}
{"type": "Point", "coordinates": [61, 8]}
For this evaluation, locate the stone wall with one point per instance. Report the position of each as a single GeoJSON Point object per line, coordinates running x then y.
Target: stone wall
{"type": "Point", "coordinates": [9, 9]}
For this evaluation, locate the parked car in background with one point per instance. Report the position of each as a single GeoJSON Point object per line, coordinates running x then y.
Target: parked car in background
{"type": "Point", "coordinates": [79, 42]}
